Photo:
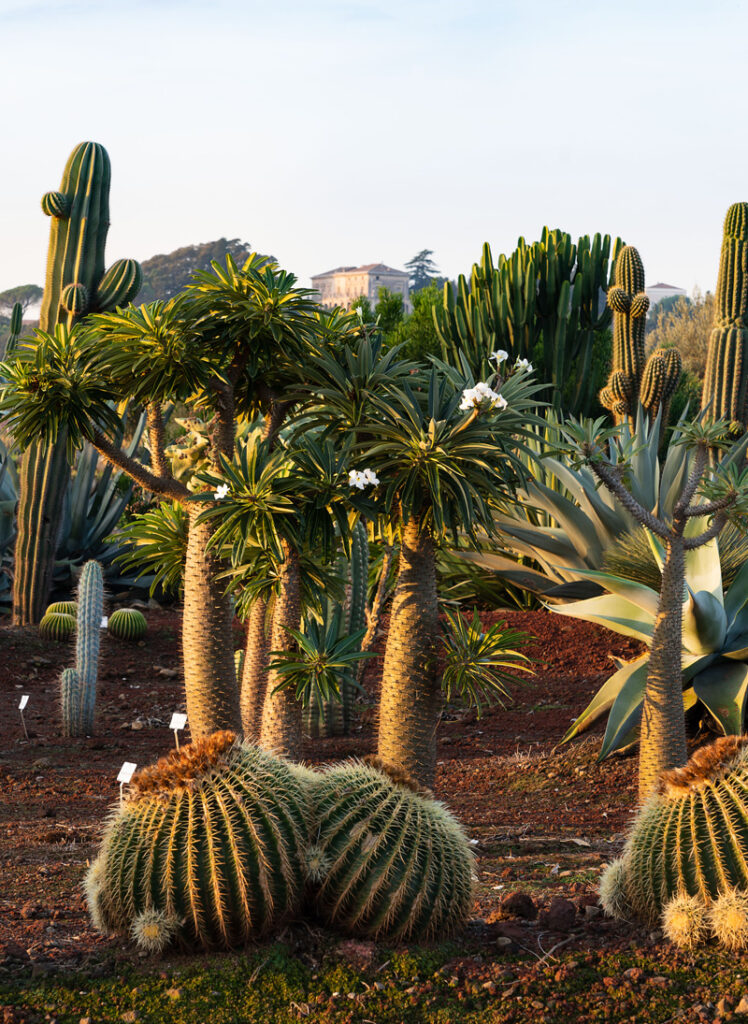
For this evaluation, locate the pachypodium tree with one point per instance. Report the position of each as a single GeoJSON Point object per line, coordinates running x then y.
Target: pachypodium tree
{"type": "Point", "coordinates": [543, 303]}
{"type": "Point", "coordinates": [76, 284]}
{"type": "Point", "coordinates": [443, 448]}
{"type": "Point", "coordinates": [215, 346]}
{"type": "Point", "coordinates": [725, 394]}
{"type": "Point", "coordinates": [709, 498]}
{"type": "Point", "coordinates": [634, 378]}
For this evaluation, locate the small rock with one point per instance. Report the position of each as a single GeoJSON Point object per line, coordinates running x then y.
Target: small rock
{"type": "Point", "coordinates": [175, 993]}
{"type": "Point", "coordinates": [561, 915]}
{"type": "Point", "coordinates": [29, 910]}
{"type": "Point", "coordinates": [742, 1006]}
{"type": "Point", "coordinates": [519, 904]}
{"type": "Point", "coordinates": [40, 763]}
{"type": "Point", "coordinates": [130, 1016]}
{"type": "Point", "coordinates": [634, 974]}
{"type": "Point", "coordinates": [85, 1020]}
{"type": "Point", "coordinates": [591, 911]}
{"type": "Point", "coordinates": [654, 938]}
{"type": "Point", "coordinates": [659, 982]}
{"type": "Point", "coordinates": [503, 942]}
{"type": "Point", "coordinates": [725, 1004]}
{"type": "Point", "coordinates": [136, 725]}
{"type": "Point", "coordinates": [490, 987]}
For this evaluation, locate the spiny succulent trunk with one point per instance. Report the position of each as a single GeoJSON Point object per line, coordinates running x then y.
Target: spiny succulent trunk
{"type": "Point", "coordinates": [663, 735]}
{"type": "Point", "coordinates": [254, 671]}
{"type": "Point", "coordinates": [43, 482]}
{"type": "Point", "coordinates": [281, 714]}
{"type": "Point", "coordinates": [411, 699]}
{"type": "Point", "coordinates": [207, 643]}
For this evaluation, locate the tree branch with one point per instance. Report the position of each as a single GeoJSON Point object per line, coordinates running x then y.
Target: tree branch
{"type": "Point", "coordinates": [710, 508]}
{"type": "Point", "coordinates": [699, 465]}
{"type": "Point", "coordinates": [156, 438]}
{"type": "Point", "coordinates": [689, 543]}
{"type": "Point", "coordinates": [165, 487]}
{"type": "Point", "coordinates": [629, 502]}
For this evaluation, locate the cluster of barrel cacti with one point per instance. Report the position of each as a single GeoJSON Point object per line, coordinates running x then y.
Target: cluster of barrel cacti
{"type": "Point", "coordinates": [633, 378]}
{"type": "Point", "coordinates": [685, 864]}
{"type": "Point", "coordinates": [78, 685]}
{"type": "Point", "coordinates": [220, 843]}
{"type": "Point", "coordinates": [726, 377]}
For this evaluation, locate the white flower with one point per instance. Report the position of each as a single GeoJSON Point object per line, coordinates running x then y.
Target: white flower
{"type": "Point", "coordinates": [523, 364]}
{"type": "Point", "coordinates": [362, 478]}
{"type": "Point", "coordinates": [359, 313]}
{"type": "Point", "coordinates": [221, 491]}
{"type": "Point", "coordinates": [482, 396]}
{"type": "Point", "coordinates": [500, 356]}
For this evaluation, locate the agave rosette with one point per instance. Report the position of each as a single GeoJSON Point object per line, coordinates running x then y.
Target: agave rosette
{"type": "Point", "coordinates": [714, 652]}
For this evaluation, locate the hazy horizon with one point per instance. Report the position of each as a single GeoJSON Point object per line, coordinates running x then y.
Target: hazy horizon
{"type": "Point", "coordinates": [353, 132]}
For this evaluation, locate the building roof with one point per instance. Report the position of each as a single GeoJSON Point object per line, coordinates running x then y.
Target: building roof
{"type": "Point", "coordinates": [364, 268]}
{"type": "Point", "coordinates": [670, 287]}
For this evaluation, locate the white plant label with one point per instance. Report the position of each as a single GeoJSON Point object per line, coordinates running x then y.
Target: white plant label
{"type": "Point", "coordinates": [178, 720]}
{"type": "Point", "coordinates": [104, 621]}
{"type": "Point", "coordinates": [24, 702]}
{"type": "Point", "coordinates": [126, 772]}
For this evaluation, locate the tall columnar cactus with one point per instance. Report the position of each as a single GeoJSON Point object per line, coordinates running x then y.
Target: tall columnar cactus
{"type": "Point", "coordinates": [14, 329]}
{"type": "Point", "coordinates": [633, 380]}
{"type": "Point", "coordinates": [332, 718]}
{"type": "Point", "coordinates": [79, 685]}
{"type": "Point", "coordinates": [690, 839]}
{"type": "Point", "coordinates": [207, 849]}
{"type": "Point", "coordinates": [726, 378]}
{"type": "Point", "coordinates": [387, 860]}
{"type": "Point", "coordinates": [76, 284]}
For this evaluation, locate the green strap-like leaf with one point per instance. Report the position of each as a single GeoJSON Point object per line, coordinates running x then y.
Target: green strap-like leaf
{"type": "Point", "coordinates": [606, 696]}
{"type": "Point", "coordinates": [614, 612]}
{"type": "Point", "coordinates": [723, 688]}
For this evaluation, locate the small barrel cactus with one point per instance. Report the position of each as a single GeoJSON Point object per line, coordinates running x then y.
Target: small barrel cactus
{"type": "Point", "coordinates": [128, 624]}
{"type": "Point", "coordinates": [689, 846]}
{"type": "Point", "coordinates": [58, 626]}
{"type": "Point", "coordinates": [66, 607]}
{"type": "Point", "coordinates": [388, 861]}
{"type": "Point", "coordinates": [206, 850]}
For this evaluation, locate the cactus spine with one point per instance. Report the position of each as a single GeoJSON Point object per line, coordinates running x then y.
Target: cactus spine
{"type": "Point", "coordinates": [689, 840]}
{"type": "Point", "coordinates": [79, 685]}
{"type": "Point", "coordinates": [208, 848]}
{"type": "Point", "coordinates": [333, 718]}
{"type": "Point", "coordinates": [76, 284]}
{"type": "Point", "coordinates": [726, 377]}
{"type": "Point", "coordinates": [631, 379]}
{"type": "Point", "coordinates": [388, 862]}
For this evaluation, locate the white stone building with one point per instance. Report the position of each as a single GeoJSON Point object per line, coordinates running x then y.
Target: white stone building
{"type": "Point", "coordinates": [658, 292]}
{"type": "Point", "coordinates": [343, 285]}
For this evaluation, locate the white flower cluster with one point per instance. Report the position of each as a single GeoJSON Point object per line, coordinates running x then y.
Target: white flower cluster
{"type": "Point", "coordinates": [362, 478]}
{"type": "Point", "coordinates": [482, 397]}
{"type": "Point", "coordinates": [221, 491]}
{"type": "Point", "coordinates": [523, 364]}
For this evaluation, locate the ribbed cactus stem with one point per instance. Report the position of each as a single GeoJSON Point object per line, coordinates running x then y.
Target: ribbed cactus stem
{"type": "Point", "coordinates": [75, 284]}
{"type": "Point", "coordinates": [70, 698]}
{"type": "Point", "coordinates": [90, 612]}
{"type": "Point", "coordinates": [629, 303]}
{"type": "Point", "coordinates": [14, 329]}
{"type": "Point", "coordinates": [726, 377]}
{"type": "Point", "coordinates": [207, 849]}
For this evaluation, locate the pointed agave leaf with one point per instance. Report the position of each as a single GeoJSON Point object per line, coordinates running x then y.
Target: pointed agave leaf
{"type": "Point", "coordinates": [704, 623]}
{"type": "Point", "coordinates": [607, 695]}
{"type": "Point", "coordinates": [614, 612]}
{"type": "Point", "coordinates": [703, 570]}
{"type": "Point", "coordinates": [723, 688]}
{"type": "Point", "coordinates": [637, 593]}
{"type": "Point", "coordinates": [736, 597]}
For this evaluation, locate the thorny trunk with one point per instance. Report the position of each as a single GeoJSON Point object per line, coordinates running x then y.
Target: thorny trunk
{"type": "Point", "coordinates": [411, 699]}
{"type": "Point", "coordinates": [662, 742]}
{"type": "Point", "coordinates": [255, 671]}
{"type": "Point", "coordinates": [281, 715]}
{"type": "Point", "coordinates": [207, 642]}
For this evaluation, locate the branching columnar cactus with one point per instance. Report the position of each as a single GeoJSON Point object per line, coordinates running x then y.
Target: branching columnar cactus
{"type": "Point", "coordinates": [207, 849]}
{"type": "Point", "coordinates": [686, 857]}
{"type": "Point", "coordinates": [631, 379]}
{"type": "Point", "coordinates": [76, 284]}
{"type": "Point", "coordinates": [726, 378]}
{"type": "Point", "coordinates": [128, 624]}
{"type": "Point", "coordinates": [388, 861]}
{"type": "Point", "coordinates": [79, 685]}
{"type": "Point", "coordinates": [334, 718]}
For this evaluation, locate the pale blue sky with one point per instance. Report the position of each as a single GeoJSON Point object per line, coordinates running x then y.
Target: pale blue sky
{"type": "Point", "coordinates": [362, 130]}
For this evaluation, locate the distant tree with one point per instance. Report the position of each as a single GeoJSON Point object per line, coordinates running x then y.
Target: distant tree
{"type": "Point", "coordinates": [389, 310]}
{"type": "Point", "coordinates": [167, 274]}
{"type": "Point", "coordinates": [26, 294]}
{"type": "Point", "coordinates": [417, 332]}
{"type": "Point", "coordinates": [686, 326]}
{"type": "Point", "coordinates": [422, 270]}
{"type": "Point", "coordinates": [362, 303]}
{"type": "Point", "coordinates": [662, 307]}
